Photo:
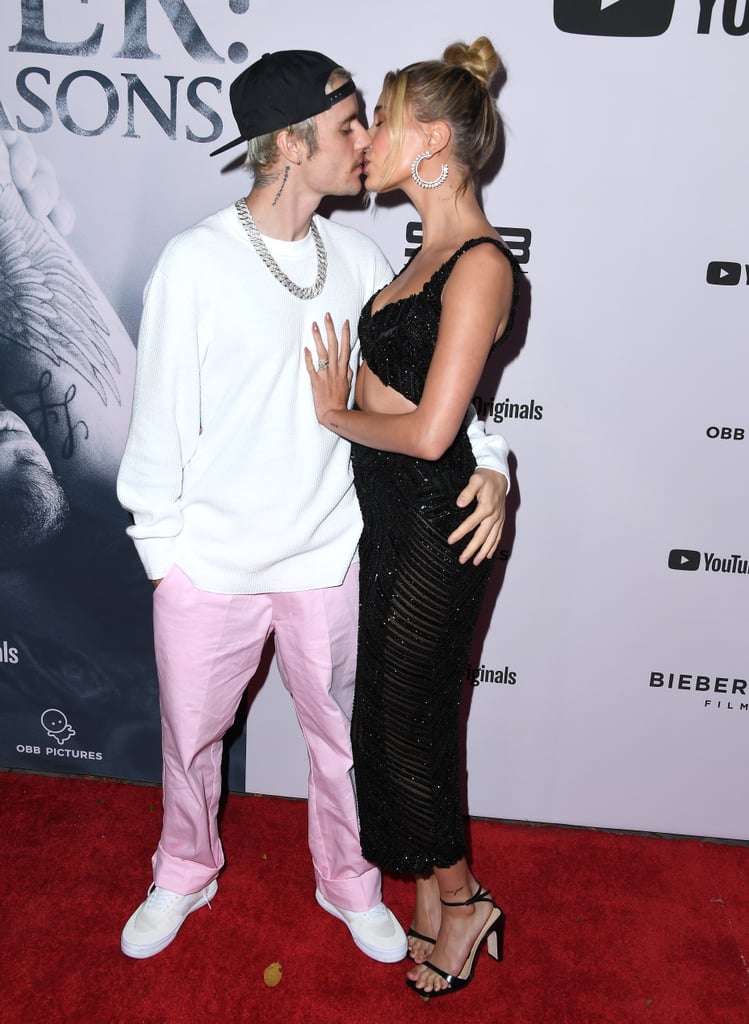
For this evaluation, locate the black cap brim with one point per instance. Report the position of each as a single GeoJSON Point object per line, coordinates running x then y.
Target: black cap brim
{"type": "Point", "coordinates": [227, 145]}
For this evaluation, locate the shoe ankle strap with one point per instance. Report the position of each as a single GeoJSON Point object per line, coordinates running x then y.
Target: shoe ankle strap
{"type": "Point", "coordinates": [481, 895]}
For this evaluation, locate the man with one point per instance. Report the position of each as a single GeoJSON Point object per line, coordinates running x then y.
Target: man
{"type": "Point", "coordinates": [245, 516]}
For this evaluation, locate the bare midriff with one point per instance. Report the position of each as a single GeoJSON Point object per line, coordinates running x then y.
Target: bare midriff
{"type": "Point", "coordinates": [374, 396]}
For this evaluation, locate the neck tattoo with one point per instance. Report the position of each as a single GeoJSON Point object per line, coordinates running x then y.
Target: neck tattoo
{"type": "Point", "coordinates": [282, 185]}
{"type": "Point", "coordinates": [313, 290]}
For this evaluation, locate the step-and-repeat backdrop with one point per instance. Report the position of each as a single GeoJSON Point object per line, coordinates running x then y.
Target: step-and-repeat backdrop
{"type": "Point", "coordinates": [609, 681]}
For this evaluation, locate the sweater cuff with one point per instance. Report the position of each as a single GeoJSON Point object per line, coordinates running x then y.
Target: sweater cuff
{"type": "Point", "coordinates": [157, 554]}
{"type": "Point", "coordinates": [492, 453]}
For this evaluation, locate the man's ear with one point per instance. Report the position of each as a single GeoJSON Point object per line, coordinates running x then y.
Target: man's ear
{"type": "Point", "coordinates": [289, 146]}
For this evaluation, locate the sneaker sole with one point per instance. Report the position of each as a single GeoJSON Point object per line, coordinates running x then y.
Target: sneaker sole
{"type": "Point", "coordinates": [136, 952]}
{"type": "Point", "coordinates": [383, 956]}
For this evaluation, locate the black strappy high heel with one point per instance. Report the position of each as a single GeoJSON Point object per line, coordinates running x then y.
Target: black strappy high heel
{"type": "Point", "coordinates": [492, 934]}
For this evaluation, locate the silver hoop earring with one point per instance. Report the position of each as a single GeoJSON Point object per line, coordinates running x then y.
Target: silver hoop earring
{"type": "Point", "coordinates": [418, 178]}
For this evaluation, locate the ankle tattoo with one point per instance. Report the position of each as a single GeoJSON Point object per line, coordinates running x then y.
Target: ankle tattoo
{"type": "Point", "coordinates": [452, 892]}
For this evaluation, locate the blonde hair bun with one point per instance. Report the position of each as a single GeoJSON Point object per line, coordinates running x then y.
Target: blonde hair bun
{"type": "Point", "coordinates": [480, 58]}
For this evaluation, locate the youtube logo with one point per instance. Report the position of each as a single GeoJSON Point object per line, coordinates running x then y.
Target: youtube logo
{"type": "Point", "coordinates": [613, 17]}
{"type": "Point", "coordinates": [684, 560]}
{"type": "Point", "coordinates": [721, 272]}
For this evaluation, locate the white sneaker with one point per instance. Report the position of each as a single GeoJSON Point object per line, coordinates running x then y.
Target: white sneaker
{"type": "Point", "coordinates": [376, 932]}
{"type": "Point", "coordinates": [158, 919]}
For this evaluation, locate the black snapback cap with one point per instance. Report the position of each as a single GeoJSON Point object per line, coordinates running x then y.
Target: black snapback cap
{"type": "Point", "coordinates": [282, 89]}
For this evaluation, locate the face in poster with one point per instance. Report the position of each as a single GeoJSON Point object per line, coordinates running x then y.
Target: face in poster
{"type": "Point", "coordinates": [74, 609]}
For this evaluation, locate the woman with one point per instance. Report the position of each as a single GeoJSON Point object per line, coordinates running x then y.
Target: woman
{"type": "Point", "coordinates": [425, 339]}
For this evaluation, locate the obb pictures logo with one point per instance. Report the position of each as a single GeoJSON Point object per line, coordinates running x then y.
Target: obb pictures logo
{"type": "Point", "coordinates": [614, 17]}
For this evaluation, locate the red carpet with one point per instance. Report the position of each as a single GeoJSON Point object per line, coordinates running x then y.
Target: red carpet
{"type": "Point", "coordinates": [600, 927]}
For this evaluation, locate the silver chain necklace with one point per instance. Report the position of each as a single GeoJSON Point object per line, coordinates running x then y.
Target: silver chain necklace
{"type": "Point", "coordinates": [261, 249]}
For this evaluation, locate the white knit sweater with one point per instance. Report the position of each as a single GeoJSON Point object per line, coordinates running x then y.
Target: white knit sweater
{"type": "Point", "coordinates": [226, 471]}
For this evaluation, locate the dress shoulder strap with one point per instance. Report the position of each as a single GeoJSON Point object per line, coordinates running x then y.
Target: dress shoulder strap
{"type": "Point", "coordinates": [470, 244]}
{"type": "Point", "coordinates": [441, 276]}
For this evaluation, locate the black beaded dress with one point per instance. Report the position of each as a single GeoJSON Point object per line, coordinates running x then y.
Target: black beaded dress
{"type": "Point", "coordinates": [418, 608]}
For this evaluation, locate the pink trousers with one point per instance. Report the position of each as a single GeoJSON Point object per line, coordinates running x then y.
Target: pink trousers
{"type": "Point", "coordinates": [208, 647]}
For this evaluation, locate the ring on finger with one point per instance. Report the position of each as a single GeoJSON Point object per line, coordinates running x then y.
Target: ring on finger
{"type": "Point", "coordinates": [322, 364]}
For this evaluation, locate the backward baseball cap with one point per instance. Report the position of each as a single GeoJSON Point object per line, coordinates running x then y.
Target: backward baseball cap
{"type": "Point", "coordinates": [282, 89]}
